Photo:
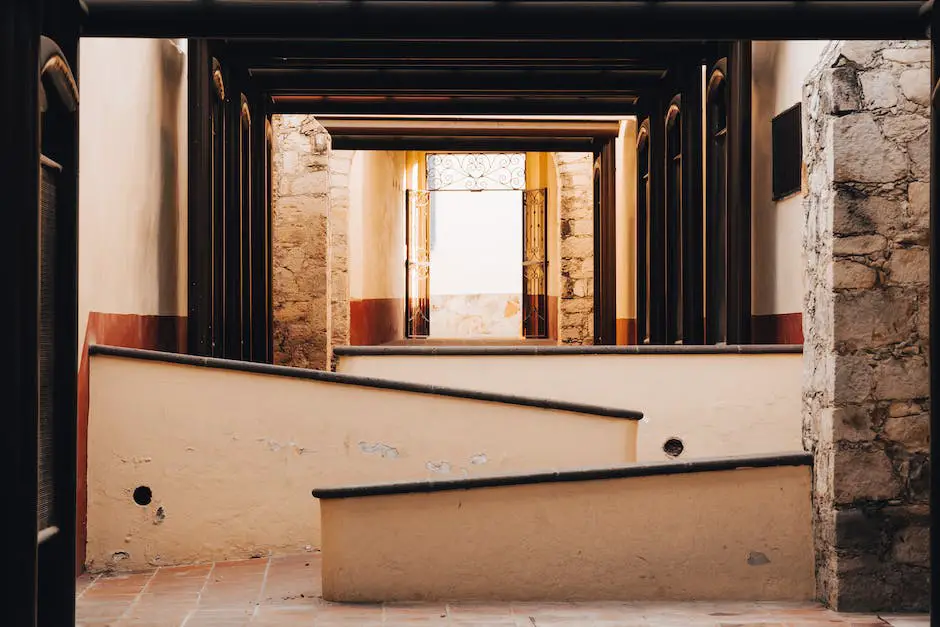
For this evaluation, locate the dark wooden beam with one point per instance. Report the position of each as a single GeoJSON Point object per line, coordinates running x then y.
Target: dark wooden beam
{"type": "Point", "coordinates": [20, 29]}
{"type": "Point", "coordinates": [445, 144]}
{"type": "Point", "coordinates": [458, 54]}
{"type": "Point", "coordinates": [383, 105]}
{"type": "Point", "coordinates": [260, 234]}
{"type": "Point", "coordinates": [605, 250]}
{"type": "Point", "coordinates": [510, 20]}
{"type": "Point", "coordinates": [739, 195]}
{"type": "Point", "coordinates": [232, 222]}
{"type": "Point", "coordinates": [462, 127]}
{"type": "Point", "coordinates": [348, 81]}
{"type": "Point", "coordinates": [58, 555]}
{"type": "Point", "coordinates": [657, 244]}
{"type": "Point", "coordinates": [462, 134]}
{"type": "Point", "coordinates": [693, 311]}
{"type": "Point", "coordinates": [200, 186]}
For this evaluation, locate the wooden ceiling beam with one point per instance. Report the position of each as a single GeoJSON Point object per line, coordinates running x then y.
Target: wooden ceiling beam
{"type": "Point", "coordinates": [473, 20]}
{"type": "Point", "coordinates": [431, 127]}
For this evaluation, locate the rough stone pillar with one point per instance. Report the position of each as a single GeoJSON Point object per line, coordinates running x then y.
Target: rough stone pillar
{"type": "Point", "coordinates": [301, 242]}
{"type": "Point", "coordinates": [576, 212]}
{"type": "Point", "coordinates": [340, 165]}
{"type": "Point", "coordinates": [866, 382]}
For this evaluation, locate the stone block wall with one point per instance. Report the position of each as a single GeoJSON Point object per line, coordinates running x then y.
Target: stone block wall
{"type": "Point", "coordinates": [340, 163]}
{"type": "Point", "coordinates": [576, 212]}
{"type": "Point", "coordinates": [301, 235]}
{"type": "Point", "coordinates": [866, 147]}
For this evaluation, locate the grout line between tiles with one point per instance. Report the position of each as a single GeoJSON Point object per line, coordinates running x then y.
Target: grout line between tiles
{"type": "Point", "coordinates": [130, 607]}
{"type": "Point", "coordinates": [189, 615]}
{"type": "Point", "coordinates": [94, 580]}
{"type": "Point", "coordinates": [264, 585]}
{"type": "Point", "coordinates": [205, 584]}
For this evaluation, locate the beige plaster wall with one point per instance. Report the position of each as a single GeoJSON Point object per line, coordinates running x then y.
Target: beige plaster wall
{"type": "Point", "coordinates": [716, 404]}
{"type": "Point", "coordinates": [725, 535]}
{"type": "Point", "coordinates": [779, 70]}
{"type": "Point", "coordinates": [231, 456]}
{"type": "Point", "coordinates": [377, 225]}
{"type": "Point", "coordinates": [132, 183]}
{"type": "Point", "coordinates": [625, 221]}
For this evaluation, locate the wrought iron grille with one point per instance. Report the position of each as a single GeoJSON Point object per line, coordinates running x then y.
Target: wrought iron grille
{"type": "Point", "coordinates": [476, 171]}
{"type": "Point", "coordinates": [534, 264]}
{"type": "Point", "coordinates": [418, 264]}
{"type": "Point", "coordinates": [46, 500]}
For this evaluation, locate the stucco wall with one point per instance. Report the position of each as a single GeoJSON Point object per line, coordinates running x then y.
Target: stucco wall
{"type": "Point", "coordinates": [866, 387]}
{"type": "Point", "coordinates": [716, 404]}
{"type": "Point", "coordinates": [376, 244]}
{"type": "Point", "coordinates": [625, 225]}
{"type": "Point", "coordinates": [779, 70]}
{"type": "Point", "coordinates": [726, 535]}
{"type": "Point", "coordinates": [231, 457]}
{"type": "Point", "coordinates": [132, 250]}
{"type": "Point", "coordinates": [132, 183]}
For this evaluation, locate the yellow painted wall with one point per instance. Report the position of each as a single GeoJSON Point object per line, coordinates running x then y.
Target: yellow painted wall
{"type": "Point", "coordinates": [728, 535]}
{"type": "Point", "coordinates": [625, 222]}
{"type": "Point", "coordinates": [718, 405]}
{"type": "Point", "coordinates": [231, 456]}
{"type": "Point", "coordinates": [377, 224]}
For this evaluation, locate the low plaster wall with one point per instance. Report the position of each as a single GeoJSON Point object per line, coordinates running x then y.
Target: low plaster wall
{"type": "Point", "coordinates": [728, 535]}
{"type": "Point", "coordinates": [716, 404]}
{"type": "Point", "coordinates": [231, 456]}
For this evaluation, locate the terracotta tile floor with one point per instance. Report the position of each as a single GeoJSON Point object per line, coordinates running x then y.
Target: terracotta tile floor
{"type": "Point", "coordinates": [284, 591]}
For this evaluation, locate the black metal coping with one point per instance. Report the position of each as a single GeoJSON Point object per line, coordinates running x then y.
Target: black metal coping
{"type": "Point", "coordinates": [562, 476]}
{"type": "Point", "coordinates": [367, 382]}
{"type": "Point", "coordinates": [423, 349]}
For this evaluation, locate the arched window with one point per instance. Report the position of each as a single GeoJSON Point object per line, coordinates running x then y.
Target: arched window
{"type": "Point", "coordinates": [673, 172]}
{"type": "Point", "coordinates": [716, 206]}
{"type": "Point", "coordinates": [643, 239]}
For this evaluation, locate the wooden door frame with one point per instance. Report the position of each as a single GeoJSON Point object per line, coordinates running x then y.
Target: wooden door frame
{"type": "Point", "coordinates": [229, 238]}
{"type": "Point", "coordinates": [605, 244]}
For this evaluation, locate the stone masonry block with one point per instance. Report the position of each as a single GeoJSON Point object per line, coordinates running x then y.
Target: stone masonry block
{"type": "Point", "coordinates": [915, 84]}
{"type": "Point", "coordinates": [862, 474]}
{"type": "Point", "coordinates": [861, 153]}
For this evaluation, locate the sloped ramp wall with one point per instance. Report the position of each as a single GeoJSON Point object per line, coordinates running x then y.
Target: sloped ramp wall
{"type": "Point", "coordinates": [717, 402]}
{"type": "Point", "coordinates": [709, 531]}
{"type": "Point", "coordinates": [194, 459]}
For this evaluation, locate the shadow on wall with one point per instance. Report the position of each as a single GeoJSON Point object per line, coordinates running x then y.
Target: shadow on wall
{"type": "Point", "coordinates": [169, 218]}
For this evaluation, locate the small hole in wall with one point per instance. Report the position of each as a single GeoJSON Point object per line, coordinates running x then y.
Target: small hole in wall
{"type": "Point", "coordinates": [673, 447]}
{"type": "Point", "coordinates": [142, 495]}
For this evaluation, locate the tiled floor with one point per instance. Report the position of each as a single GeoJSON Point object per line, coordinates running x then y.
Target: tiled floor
{"type": "Point", "coordinates": [285, 591]}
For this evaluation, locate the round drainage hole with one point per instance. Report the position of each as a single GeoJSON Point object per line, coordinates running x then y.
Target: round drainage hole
{"type": "Point", "coordinates": [142, 495]}
{"type": "Point", "coordinates": [673, 447]}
